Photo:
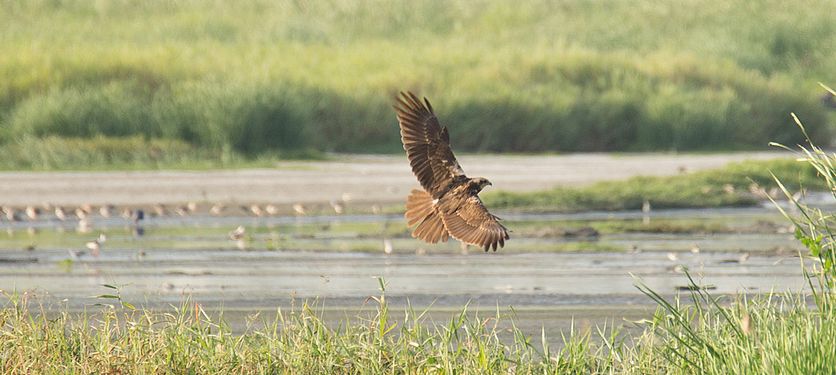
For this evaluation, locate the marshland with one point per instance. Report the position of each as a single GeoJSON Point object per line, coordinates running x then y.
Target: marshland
{"type": "Point", "coordinates": [217, 187]}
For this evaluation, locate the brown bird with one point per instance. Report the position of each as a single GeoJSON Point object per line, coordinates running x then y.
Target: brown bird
{"type": "Point", "coordinates": [449, 205]}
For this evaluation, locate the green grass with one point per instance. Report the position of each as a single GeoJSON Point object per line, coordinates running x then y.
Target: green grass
{"type": "Point", "coordinates": [739, 184]}
{"type": "Point", "coordinates": [814, 225]}
{"type": "Point", "coordinates": [257, 77]}
{"type": "Point", "coordinates": [712, 335]}
{"type": "Point", "coordinates": [100, 152]}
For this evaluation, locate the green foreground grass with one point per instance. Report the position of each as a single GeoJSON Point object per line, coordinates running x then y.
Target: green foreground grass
{"type": "Point", "coordinates": [739, 184]}
{"type": "Point", "coordinates": [253, 78]}
{"type": "Point", "coordinates": [708, 335]}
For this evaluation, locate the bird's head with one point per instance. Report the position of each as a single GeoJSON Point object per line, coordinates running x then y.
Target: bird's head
{"type": "Point", "coordinates": [480, 182]}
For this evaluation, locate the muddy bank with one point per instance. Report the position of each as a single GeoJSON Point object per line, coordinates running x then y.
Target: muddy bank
{"type": "Point", "coordinates": [380, 179]}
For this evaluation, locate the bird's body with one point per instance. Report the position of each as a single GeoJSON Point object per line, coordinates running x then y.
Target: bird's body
{"type": "Point", "coordinates": [107, 210]}
{"type": "Point", "coordinates": [217, 209]}
{"type": "Point", "coordinates": [449, 204]}
{"type": "Point", "coordinates": [256, 210]}
{"type": "Point", "coordinates": [80, 213]}
{"type": "Point", "coordinates": [60, 214]}
{"type": "Point", "coordinates": [95, 246]}
{"type": "Point", "coordinates": [32, 212]}
{"type": "Point", "coordinates": [338, 206]}
{"type": "Point", "coordinates": [138, 216]}
{"type": "Point", "coordinates": [10, 213]}
{"type": "Point", "coordinates": [238, 233]}
{"type": "Point", "coordinates": [160, 210]}
{"type": "Point", "coordinates": [271, 209]}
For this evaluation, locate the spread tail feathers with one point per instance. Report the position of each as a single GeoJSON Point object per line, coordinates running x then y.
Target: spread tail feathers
{"type": "Point", "coordinates": [421, 210]}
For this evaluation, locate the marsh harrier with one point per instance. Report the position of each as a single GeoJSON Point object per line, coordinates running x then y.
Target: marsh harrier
{"type": "Point", "coordinates": [449, 204]}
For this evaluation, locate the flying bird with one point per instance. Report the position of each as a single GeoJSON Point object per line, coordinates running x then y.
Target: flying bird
{"type": "Point", "coordinates": [449, 204]}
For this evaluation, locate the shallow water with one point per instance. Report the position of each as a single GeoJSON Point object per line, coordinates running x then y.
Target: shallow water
{"type": "Point", "coordinates": [264, 278]}
{"type": "Point", "coordinates": [337, 260]}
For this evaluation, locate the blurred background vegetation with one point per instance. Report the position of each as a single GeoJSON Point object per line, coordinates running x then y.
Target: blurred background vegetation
{"type": "Point", "coordinates": [149, 82]}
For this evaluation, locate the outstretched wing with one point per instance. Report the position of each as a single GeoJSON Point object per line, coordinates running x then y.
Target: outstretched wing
{"type": "Point", "coordinates": [467, 220]}
{"type": "Point", "coordinates": [427, 144]}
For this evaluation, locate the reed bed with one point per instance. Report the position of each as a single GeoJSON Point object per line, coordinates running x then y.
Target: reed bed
{"type": "Point", "coordinates": [258, 78]}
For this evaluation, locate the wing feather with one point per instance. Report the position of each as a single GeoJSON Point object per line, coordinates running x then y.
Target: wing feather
{"type": "Point", "coordinates": [427, 144]}
{"type": "Point", "coordinates": [421, 211]}
{"type": "Point", "coordinates": [467, 220]}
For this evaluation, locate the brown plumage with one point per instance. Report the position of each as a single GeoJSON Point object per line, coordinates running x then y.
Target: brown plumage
{"type": "Point", "coordinates": [449, 204]}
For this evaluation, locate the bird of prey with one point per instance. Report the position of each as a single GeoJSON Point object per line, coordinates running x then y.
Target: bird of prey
{"type": "Point", "coordinates": [449, 204]}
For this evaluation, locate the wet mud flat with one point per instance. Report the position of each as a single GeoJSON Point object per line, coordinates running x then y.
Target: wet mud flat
{"type": "Point", "coordinates": [562, 271]}
{"type": "Point", "coordinates": [380, 179]}
{"type": "Point", "coordinates": [557, 292]}
{"type": "Point", "coordinates": [264, 279]}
